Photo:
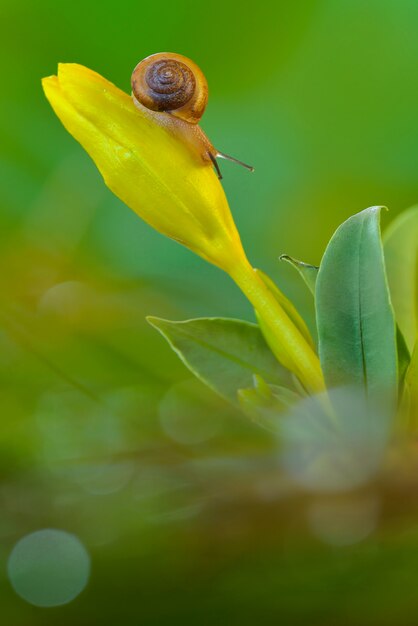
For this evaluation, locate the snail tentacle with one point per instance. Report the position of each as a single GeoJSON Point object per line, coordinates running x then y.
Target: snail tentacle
{"type": "Point", "coordinates": [215, 164]}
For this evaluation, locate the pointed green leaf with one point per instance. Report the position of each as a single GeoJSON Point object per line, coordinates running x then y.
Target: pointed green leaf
{"type": "Point", "coordinates": [401, 255]}
{"type": "Point", "coordinates": [223, 353]}
{"type": "Point", "coordinates": [356, 326]}
{"type": "Point", "coordinates": [308, 272]}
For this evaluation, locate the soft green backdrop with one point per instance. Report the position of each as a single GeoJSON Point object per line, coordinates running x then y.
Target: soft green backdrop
{"type": "Point", "coordinates": [320, 96]}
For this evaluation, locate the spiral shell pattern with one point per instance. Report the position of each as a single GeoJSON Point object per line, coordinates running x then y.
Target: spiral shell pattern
{"type": "Point", "coordinates": [172, 83]}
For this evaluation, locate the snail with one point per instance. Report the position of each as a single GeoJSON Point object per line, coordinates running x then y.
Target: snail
{"type": "Point", "coordinates": [172, 85]}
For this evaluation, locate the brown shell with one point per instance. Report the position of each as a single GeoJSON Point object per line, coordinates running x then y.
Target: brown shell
{"type": "Point", "coordinates": [172, 83]}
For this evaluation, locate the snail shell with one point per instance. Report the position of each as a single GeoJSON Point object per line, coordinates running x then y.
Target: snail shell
{"type": "Point", "coordinates": [172, 83]}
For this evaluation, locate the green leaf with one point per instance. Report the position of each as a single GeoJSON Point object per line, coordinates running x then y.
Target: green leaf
{"type": "Point", "coordinates": [404, 358]}
{"type": "Point", "coordinates": [332, 455]}
{"type": "Point", "coordinates": [287, 306]}
{"type": "Point", "coordinates": [308, 272]}
{"type": "Point", "coordinates": [401, 255]}
{"type": "Point", "coordinates": [356, 326]}
{"type": "Point", "coordinates": [223, 353]}
{"type": "Point", "coordinates": [410, 394]}
{"type": "Point", "coordinates": [264, 403]}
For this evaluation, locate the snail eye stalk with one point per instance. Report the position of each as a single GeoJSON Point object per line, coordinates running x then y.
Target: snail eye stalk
{"type": "Point", "coordinates": [221, 155]}
{"type": "Point", "coordinates": [215, 165]}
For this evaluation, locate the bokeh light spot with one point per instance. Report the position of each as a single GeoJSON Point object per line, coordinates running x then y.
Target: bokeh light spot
{"type": "Point", "coordinates": [49, 567]}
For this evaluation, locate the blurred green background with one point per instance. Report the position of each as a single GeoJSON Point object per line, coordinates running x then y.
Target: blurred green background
{"type": "Point", "coordinates": [180, 501]}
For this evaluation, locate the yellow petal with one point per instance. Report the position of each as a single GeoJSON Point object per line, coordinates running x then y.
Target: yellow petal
{"type": "Point", "coordinates": [145, 161]}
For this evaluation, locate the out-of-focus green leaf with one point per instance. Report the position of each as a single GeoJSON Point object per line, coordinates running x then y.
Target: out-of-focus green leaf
{"type": "Point", "coordinates": [288, 307]}
{"type": "Point", "coordinates": [223, 353]}
{"type": "Point", "coordinates": [410, 393]}
{"type": "Point", "coordinates": [287, 397]}
{"type": "Point", "coordinates": [308, 272]}
{"type": "Point", "coordinates": [404, 356]}
{"type": "Point", "coordinates": [326, 454]}
{"type": "Point", "coordinates": [401, 256]}
{"type": "Point", "coordinates": [264, 403]}
{"type": "Point", "coordinates": [356, 326]}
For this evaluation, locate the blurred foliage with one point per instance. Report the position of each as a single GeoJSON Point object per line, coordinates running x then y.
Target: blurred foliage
{"type": "Point", "coordinates": [202, 527]}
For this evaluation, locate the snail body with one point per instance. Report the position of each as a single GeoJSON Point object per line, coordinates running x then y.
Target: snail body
{"type": "Point", "coordinates": [172, 85]}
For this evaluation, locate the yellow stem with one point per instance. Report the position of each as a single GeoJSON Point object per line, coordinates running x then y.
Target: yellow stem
{"type": "Point", "coordinates": [283, 335]}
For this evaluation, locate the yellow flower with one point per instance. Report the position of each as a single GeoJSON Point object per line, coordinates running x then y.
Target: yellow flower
{"type": "Point", "coordinates": [146, 163]}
